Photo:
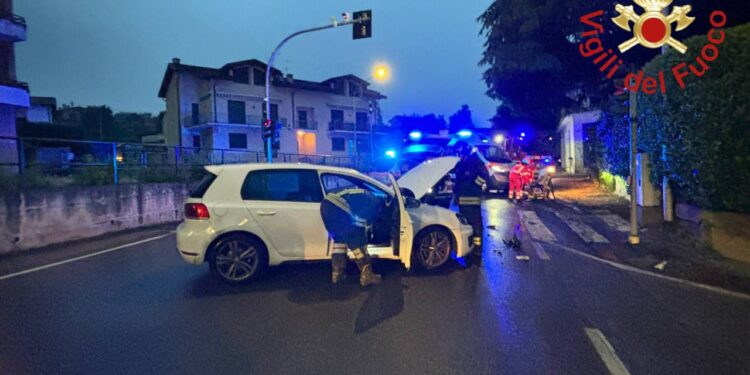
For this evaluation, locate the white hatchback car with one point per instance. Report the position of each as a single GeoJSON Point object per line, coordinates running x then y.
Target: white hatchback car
{"type": "Point", "coordinates": [242, 218]}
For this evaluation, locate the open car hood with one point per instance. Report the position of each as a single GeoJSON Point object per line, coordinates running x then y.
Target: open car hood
{"type": "Point", "coordinates": [423, 177]}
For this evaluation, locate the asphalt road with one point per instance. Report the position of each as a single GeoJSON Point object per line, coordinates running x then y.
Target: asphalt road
{"type": "Point", "coordinates": [140, 309]}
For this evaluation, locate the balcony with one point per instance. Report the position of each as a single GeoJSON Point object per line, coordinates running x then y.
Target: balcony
{"type": "Point", "coordinates": [347, 126]}
{"type": "Point", "coordinates": [361, 127]}
{"type": "Point", "coordinates": [12, 28]}
{"type": "Point", "coordinates": [14, 93]}
{"type": "Point", "coordinates": [222, 118]}
{"type": "Point", "coordinates": [307, 125]}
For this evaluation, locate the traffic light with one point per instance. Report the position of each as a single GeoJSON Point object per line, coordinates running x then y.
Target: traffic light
{"type": "Point", "coordinates": [275, 144]}
{"type": "Point", "coordinates": [362, 28]}
{"type": "Point", "coordinates": [268, 129]}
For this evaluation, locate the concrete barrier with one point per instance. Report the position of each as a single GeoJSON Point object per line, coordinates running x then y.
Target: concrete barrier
{"type": "Point", "coordinates": [43, 217]}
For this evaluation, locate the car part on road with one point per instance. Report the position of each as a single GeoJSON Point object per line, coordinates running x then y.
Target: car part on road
{"type": "Point", "coordinates": [432, 248]}
{"type": "Point", "coordinates": [238, 258]}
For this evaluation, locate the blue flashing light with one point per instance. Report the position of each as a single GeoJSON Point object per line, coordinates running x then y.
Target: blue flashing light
{"type": "Point", "coordinates": [390, 153]}
{"type": "Point", "coordinates": [485, 141]}
{"type": "Point", "coordinates": [523, 134]}
{"type": "Point", "coordinates": [464, 133]}
{"type": "Point", "coordinates": [415, 135]}
{"type": "Point", "coordinates": [546, 160]}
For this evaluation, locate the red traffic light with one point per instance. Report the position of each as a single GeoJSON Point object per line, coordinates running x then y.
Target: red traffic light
{"type": "Point", "coordinates": [267, 123]}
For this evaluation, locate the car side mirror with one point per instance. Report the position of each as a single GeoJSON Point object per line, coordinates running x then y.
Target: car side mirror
{"type": "Point", "coordinates": [411, 202]}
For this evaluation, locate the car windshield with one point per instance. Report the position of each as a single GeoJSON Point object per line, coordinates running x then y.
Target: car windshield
{"type": "Point", "coordinates": [494, 154]}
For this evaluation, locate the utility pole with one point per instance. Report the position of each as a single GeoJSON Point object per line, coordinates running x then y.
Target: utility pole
{"type": "Point", "coordinates": [633, 239]}
{"type": "Point", "coordinates": [364, 18]}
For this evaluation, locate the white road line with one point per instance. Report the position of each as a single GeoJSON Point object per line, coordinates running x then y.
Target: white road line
{"type": "Point", "coordinates": [615, 221]}
{"type": "Point", "coordinates": [628, 268]}
{"type": "Point", "coordinates": [587, 233]}
{"type": "Point", "coordinates": [536, 228]}
{"type": "Point", "coordinates": [606, 352]}
{"type": "Point", "coordinates": [30, 270]}
{"type": "Point", "coordinates": [540, 251]}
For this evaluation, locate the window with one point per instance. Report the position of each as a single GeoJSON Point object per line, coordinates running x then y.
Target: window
{"type": "Point", "coordinates": [337, 116]}
{"type": "Point", "coordinates": [337, 144]}
{"type": "Point", "coordinates": [241, 75]}
{"type": "Point", "coordinates": [236, 111]}
{"type": "Point", "coordinates": [337, 182]}
{"type": "Point", "coordinates": [353, 89]}
{"type": "Point", "coordinates": [196, 141]}
{"type": "Point", "coordinates": [291, 185]}
{"type": "Point", "coordinates": [196, 113]}
{"type": "Point", "coordinates": [338, 87]}
{"type": "Point", "coordinates": [259, 77]}
{"type": "Point", "coordinates": [203, 185]}
{"type": "Point", "coordinates": [302, 116]}
{"type": "Point", "coordinates": [362, 121]}
{"type": "Point", "coordinates": [238, 140]}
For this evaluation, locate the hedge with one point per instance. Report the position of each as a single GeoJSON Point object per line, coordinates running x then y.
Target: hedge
{"type": "Point", "coordinates": [703, 129]}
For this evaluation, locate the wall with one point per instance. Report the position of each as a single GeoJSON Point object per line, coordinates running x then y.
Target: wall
{"type": "Point", "coordinates": [43, 217]}
{"type": "Point", "coordinates": [726, 232]}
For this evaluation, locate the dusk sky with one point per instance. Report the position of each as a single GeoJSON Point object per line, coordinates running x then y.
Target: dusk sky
{"type": "Point", "coordinates": [114, 52]}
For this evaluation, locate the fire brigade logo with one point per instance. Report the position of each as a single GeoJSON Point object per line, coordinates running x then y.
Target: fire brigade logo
{"type": "Point", "coordinates": [653, 29]}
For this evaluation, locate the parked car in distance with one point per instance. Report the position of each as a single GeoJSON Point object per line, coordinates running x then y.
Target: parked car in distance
{"type": "Point", "coordinates": [243, 218]}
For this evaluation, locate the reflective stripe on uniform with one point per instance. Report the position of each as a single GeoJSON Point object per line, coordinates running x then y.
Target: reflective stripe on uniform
{"type": "Point", "coordinates": [339, 202]}
{"type": "Point", "coordinates": [480, 181]}
{"type": "Point", "coordinates": [469, 200]}
{"type": "Point", "coordinates": [359, 222]}
{"type": "Point", "coordinates": [358, 254]}
{"type": "Point", "coordinates": [339, 248]}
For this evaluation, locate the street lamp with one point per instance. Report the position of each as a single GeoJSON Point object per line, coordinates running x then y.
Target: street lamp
{"type": "Point", "coordinates": [381, 72]}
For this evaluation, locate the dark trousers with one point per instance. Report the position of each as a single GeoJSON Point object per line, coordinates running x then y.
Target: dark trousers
{"type": "Point", "coordinates": [473, 213]}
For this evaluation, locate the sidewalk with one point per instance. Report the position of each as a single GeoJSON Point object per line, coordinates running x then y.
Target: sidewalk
{"type": "Point", "coordinates": [676, 246]}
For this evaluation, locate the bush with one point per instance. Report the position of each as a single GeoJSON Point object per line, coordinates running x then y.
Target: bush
{"type": "Point", "coordinates": [703, 129]}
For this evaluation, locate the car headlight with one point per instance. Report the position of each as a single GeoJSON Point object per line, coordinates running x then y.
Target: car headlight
{"type": "Point", "coordinates": [551, 169]}
{"type": "Point", "coordinates": [462, 219]}
{"type": "Point", "coordinates": [497, 168]}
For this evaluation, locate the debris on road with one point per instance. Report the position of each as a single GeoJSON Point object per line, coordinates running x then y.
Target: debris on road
{"type": "Point", "coordinates": [660, 266]}
{"type": "Point", "coordinates": [513, 242]}
{"type": "Point", "coordinates": [524, 258]}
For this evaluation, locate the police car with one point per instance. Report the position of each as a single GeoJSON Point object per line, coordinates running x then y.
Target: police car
{"type": "Point", "coordinates": [243, 218]}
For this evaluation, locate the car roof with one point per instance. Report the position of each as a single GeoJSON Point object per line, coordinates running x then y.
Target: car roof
{"type": "Point", "coordinates": [216, 169]}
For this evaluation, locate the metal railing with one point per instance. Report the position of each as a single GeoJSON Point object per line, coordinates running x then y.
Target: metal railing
{"type": "Point", "coordinates": [223, 118]}
{"type": "Point", "coordinates": [75, 162]}
{"type": "Point", "coordinates": [309, 124]}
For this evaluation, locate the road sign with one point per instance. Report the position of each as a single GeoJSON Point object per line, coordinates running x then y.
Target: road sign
{"type": "Point", "coordinates": [362, 27]}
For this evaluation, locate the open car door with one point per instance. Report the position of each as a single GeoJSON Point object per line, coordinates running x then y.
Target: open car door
{"type": "Point", "coordinates": [403, 229]}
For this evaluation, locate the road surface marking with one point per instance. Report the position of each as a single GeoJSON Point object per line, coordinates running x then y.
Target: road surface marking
{"type": "Point", "coordinates": [587, 233]}
{"type": "Point", "coordinates": [536, 228]}
{"type": "Point", "coordinates": [30, 270]}
{"type": "Point", "coordinates": [606, 352]}
{"type": "Point", "coordinates": [540, 251]}
{"type": "Point", "coordinates": [615, 221]}
{"type": "Point", "coordinates": [628, 268]}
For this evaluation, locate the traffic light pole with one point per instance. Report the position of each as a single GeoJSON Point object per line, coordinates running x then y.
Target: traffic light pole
{"type": "Point", "coordinates": [269, 154]}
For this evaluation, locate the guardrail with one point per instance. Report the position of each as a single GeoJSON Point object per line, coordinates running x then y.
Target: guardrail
{"type": "Point", "coordinates": [71, 162]}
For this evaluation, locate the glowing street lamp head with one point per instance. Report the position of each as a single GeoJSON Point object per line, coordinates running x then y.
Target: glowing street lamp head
{"type": "Point", "coordinates": [381, 72]}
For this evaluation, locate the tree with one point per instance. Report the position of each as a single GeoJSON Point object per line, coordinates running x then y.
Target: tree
{"type": "Point", "coordinates": [429, 123]}
{"type": "Point", "coordinates": [531, 53]}
{"type": "Point", "coordinates": [460, 120]}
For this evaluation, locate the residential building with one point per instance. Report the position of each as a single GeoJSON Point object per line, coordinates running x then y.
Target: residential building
{"type": "Point", "coordinates": [223, 109]}
{"type": "Point", "coordinates": [13, 94]}
{"type": "Point", "coordinates": [41, 110]}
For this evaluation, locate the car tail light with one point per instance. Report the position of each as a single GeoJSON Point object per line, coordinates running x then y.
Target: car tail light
{"type": "Point", "coordinates": [196, 211]}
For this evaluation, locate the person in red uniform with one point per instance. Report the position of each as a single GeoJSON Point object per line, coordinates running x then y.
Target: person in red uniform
{"type": "Point", "coordinates": [527, 174]}
{"type": "Point", "coordinates": [516, 180]}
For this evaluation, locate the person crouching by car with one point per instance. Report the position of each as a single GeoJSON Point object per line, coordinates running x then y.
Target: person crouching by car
{"type": "Point", "coordinates": [471, 181]}
{"type": "Point", "coordinates": [348, 216]}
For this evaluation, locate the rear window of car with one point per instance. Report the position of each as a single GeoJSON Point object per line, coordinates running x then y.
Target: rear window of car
{"type": "Point", "coordinates": [291, 185]}
{"type": "Point", "coordinates": [200, 189]}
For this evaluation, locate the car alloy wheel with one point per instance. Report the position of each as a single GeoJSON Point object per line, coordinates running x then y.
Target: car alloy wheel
{"type": "Point", "coordinates": [433, 248]}
{"type": "Point", "coordinates": [237, 259]}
